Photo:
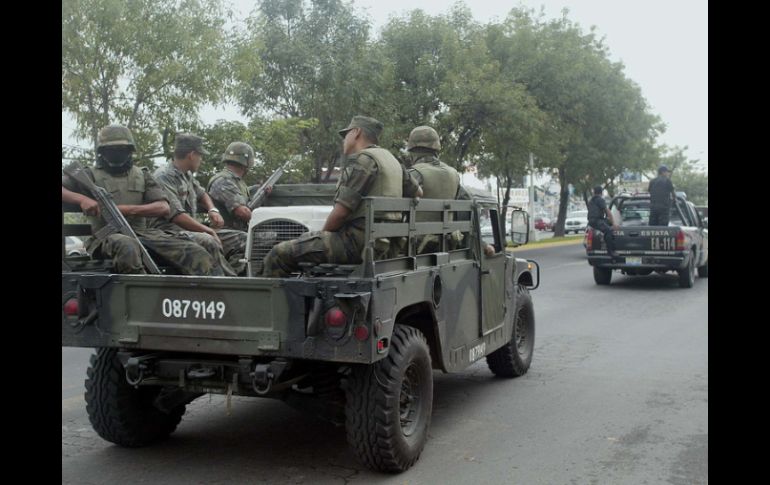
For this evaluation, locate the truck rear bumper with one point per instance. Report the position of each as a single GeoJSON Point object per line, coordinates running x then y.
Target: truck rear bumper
{"type": "Point", "coordinates": [639, 261]}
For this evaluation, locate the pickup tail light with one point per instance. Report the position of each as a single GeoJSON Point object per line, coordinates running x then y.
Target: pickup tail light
{"type": "Point", "coordinates": [680, 240]}
{"type": "Point", "coordinates": [589, 239]}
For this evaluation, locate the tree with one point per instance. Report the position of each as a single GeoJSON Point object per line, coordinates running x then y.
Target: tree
{"type": "Point", "coordinates": [598, 121]}
{"type": "Point", "coordinates": [315, 64]}
{"type": "Point", "coordinates": [147, 64]}
{"type": "Point", "coordinates": [686, 175]}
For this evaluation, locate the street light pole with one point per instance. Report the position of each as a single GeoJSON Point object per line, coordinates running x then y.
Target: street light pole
{"type": "Point", "coordinates": [532, 197]}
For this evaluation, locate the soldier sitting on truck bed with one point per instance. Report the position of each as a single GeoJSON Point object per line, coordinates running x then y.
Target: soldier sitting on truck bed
{"type": "Point", "coordinates": [138, 196]}
{"type": "Point", "coordinates": [186, 195]}
{"type": "Point", "coordinates": [369, 171]}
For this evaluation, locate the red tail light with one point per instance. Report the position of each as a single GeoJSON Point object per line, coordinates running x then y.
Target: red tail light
{"type": "Point", "coordinates": [680, 240]}
{"type": "Point", "coordinates": [589, 239]}
{"type": "Point", "coordinates": [361, 333]}
{"type": "Point", "coordinates": [336, 317]}
{"type": "Point", "coordinates": [71, 307]}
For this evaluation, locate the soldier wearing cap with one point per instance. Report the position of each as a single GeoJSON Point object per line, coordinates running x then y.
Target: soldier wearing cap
{"type": "Point", "coordinates": [138, 196]}
{"type": "Point", "coordinates": [369, 171]}
{"type": "Point", "coordinates": [227, 188]}
{"type": "Point", "coordinates": [186, 195]}
{"type": "Point", "coordinates": [662, 194]}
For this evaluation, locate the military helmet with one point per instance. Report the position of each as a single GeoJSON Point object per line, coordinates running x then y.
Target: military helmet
{"type": "Point", "coordinates": [240, 153]}
{"type": "Point", "coordinates": [423, 136]}
{"type": "Point", "coordinates": [114, 135]}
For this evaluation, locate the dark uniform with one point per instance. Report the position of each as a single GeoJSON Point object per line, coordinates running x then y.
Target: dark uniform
{"type": "Point", "coordinates": [183, 192]}
{"type": "Point", "coordinates": [137, 187]}
{"type": "Point", "coordinates": [374, 172]}
{"type": "Point", "coordinates": [597, 218]}
{"type": "Point", "coordinates": [661, 189]}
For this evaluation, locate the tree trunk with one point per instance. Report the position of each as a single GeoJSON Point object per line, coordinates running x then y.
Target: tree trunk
{"type": "Point", "coordinates": [506, 198]}
{"type": "Point", "coordinates": [558, 228]}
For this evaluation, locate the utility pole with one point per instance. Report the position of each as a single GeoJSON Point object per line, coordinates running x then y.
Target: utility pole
{"type": "Point", "coordinates": [532, 234]}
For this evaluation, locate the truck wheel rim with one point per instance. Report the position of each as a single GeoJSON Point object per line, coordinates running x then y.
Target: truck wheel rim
{"type": "Point", "coordinates": [409, 400]}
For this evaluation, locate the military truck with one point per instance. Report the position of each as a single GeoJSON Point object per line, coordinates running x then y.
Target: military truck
{"type": "Point", "coordinates": [355, 344]}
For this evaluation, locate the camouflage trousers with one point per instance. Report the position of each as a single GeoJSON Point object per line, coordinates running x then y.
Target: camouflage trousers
{"type": "Point", "coordinates": [166, 247]}
{"type": "Point", "coordinates": [229, 254]}
{"type": "Point", "coordinates": [340, 247]}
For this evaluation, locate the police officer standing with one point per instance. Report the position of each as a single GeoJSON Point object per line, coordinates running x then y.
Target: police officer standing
{"type": "Point", "coordinates": [662, 194]}
{"type": "Point", "coordinates": [598, 217]}
{"type": "Point", "coordinates": [138, 196]}
{"type": "Point", "coordinates": [186, 195]}
{"type": "Point", "coordinates": [369, 171]}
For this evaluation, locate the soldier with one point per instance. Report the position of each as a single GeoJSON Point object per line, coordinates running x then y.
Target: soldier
{"type": "Point", "coordinates": [369, 171]}
{"type": "Point", "coordinates": [437, 180]}
{"type": "Point", "coordinates": [138, 196]}
{"type": "Point", "coordinates": [227, 188]}
{"type": "Point", "coordinates": [186, 194]}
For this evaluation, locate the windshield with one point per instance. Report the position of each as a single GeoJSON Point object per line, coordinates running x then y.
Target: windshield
{"type": "Point", "coordinates": [578, 215]}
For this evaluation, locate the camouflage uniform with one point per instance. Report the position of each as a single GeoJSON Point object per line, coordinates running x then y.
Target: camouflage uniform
{"type": "Point", "coordinates": [183, 192]}
{"type": "Point", "coordinates": [138, 187]}
{"type": "Point", "coordinates": [229, 191]}
{"type": "Point", "coordinates": [437, 179]}
{"type": "Point", "coordinates": [373, 171]}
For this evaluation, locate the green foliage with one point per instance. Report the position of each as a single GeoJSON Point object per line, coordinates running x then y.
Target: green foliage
{"type": "Point", "coordinates": [315, 64]}
{"type": "Point", "coordinates": [686, 175]}
{"type": "Point", "coordinates": [146, 64]}
{"type": "Point", "coordinates": [300, 69]}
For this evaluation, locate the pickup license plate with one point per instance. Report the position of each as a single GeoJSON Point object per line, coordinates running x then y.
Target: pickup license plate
{"type": "Point", "coordinates": [633, 261]}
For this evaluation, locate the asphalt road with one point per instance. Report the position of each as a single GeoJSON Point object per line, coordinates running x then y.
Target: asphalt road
{"type": "Point", "coordinates": [617, 394]}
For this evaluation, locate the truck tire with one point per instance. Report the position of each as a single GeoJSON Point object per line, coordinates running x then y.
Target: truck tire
{"type": "Point", "coordinates": [389, 403]}
{"type": "Point", "coordinates": [703, 271]}
{"type": "Point", "coordinates": [121, 413]}
{"type": "Point", "coordinates": [514, 358]}
{"type": "Point", "coordinates": [602, 276]}
{"type": "Point", "coordinates": [687, 275]}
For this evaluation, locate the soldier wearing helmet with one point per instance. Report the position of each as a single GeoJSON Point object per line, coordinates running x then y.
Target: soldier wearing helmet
{"type": "Point", "coordinates": [186, 195]}
{"type": "Point", "coordinates": [138, 196]}
{"type": "Point", "coordinates": [227, 188]}
{"type": "Point", "coordinates": [437, 179]}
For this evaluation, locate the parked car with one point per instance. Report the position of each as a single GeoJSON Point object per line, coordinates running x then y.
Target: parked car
{"type": "Point", "coordinates": [543, 224]}
{"type": "Point", "coordinates": [576, 221]}
{"type": "Point", "coordinates": [73, 246]}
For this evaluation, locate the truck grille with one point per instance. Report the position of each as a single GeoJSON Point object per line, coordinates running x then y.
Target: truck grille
{"type": "Point", "coordinates": [267, 234]}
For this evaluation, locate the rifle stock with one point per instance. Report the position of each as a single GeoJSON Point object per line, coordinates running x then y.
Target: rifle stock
{"type": "Point", "coordinates": [260, 195]}
{"type": "Point", "coordinates": [110, 213]}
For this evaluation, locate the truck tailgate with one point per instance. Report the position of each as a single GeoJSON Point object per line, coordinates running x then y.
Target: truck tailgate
{"type": "Point", "coordinates": [226, 315]}
{"type": "Point", "coordinates": [646, 239]}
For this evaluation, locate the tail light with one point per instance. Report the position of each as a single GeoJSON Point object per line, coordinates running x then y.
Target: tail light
{"type": "Point", "coordinates": [71, 307]}
{"type": "Point", "coordinates": [589, 239]}
{"type": "Point", "coordinates": [336, 318]}
{"type": "Point", "coordinates": [680, 240]}
{"type": "Point", "coordinates": [361, 333]}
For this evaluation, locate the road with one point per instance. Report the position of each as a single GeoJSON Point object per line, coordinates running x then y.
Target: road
{"type": "Point", "coordinates": [617, 394]}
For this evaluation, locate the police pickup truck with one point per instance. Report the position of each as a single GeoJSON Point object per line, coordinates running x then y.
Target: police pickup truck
{"type": "Point", "coordinates": [682, 246]}
{"type": "Point", "coordinates": [355, 344]}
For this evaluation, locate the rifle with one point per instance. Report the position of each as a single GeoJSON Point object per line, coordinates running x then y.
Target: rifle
{"type": "Point", "coordinates": [261, 194]}
{"type": "Point", "coordinates": [116, 222]}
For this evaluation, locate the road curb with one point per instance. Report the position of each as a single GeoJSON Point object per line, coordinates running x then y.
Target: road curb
{"type": "Point", "coordinates": [527, 247]}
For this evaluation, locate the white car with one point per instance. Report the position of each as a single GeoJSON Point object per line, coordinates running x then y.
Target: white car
{"type": "Point", "coordinates": [73, 246]}
{"type": "Point", "coordinates": [576, 221]}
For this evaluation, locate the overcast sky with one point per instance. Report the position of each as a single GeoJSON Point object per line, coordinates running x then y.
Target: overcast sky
{"type": "Point", "coordinates": [662, 43]}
